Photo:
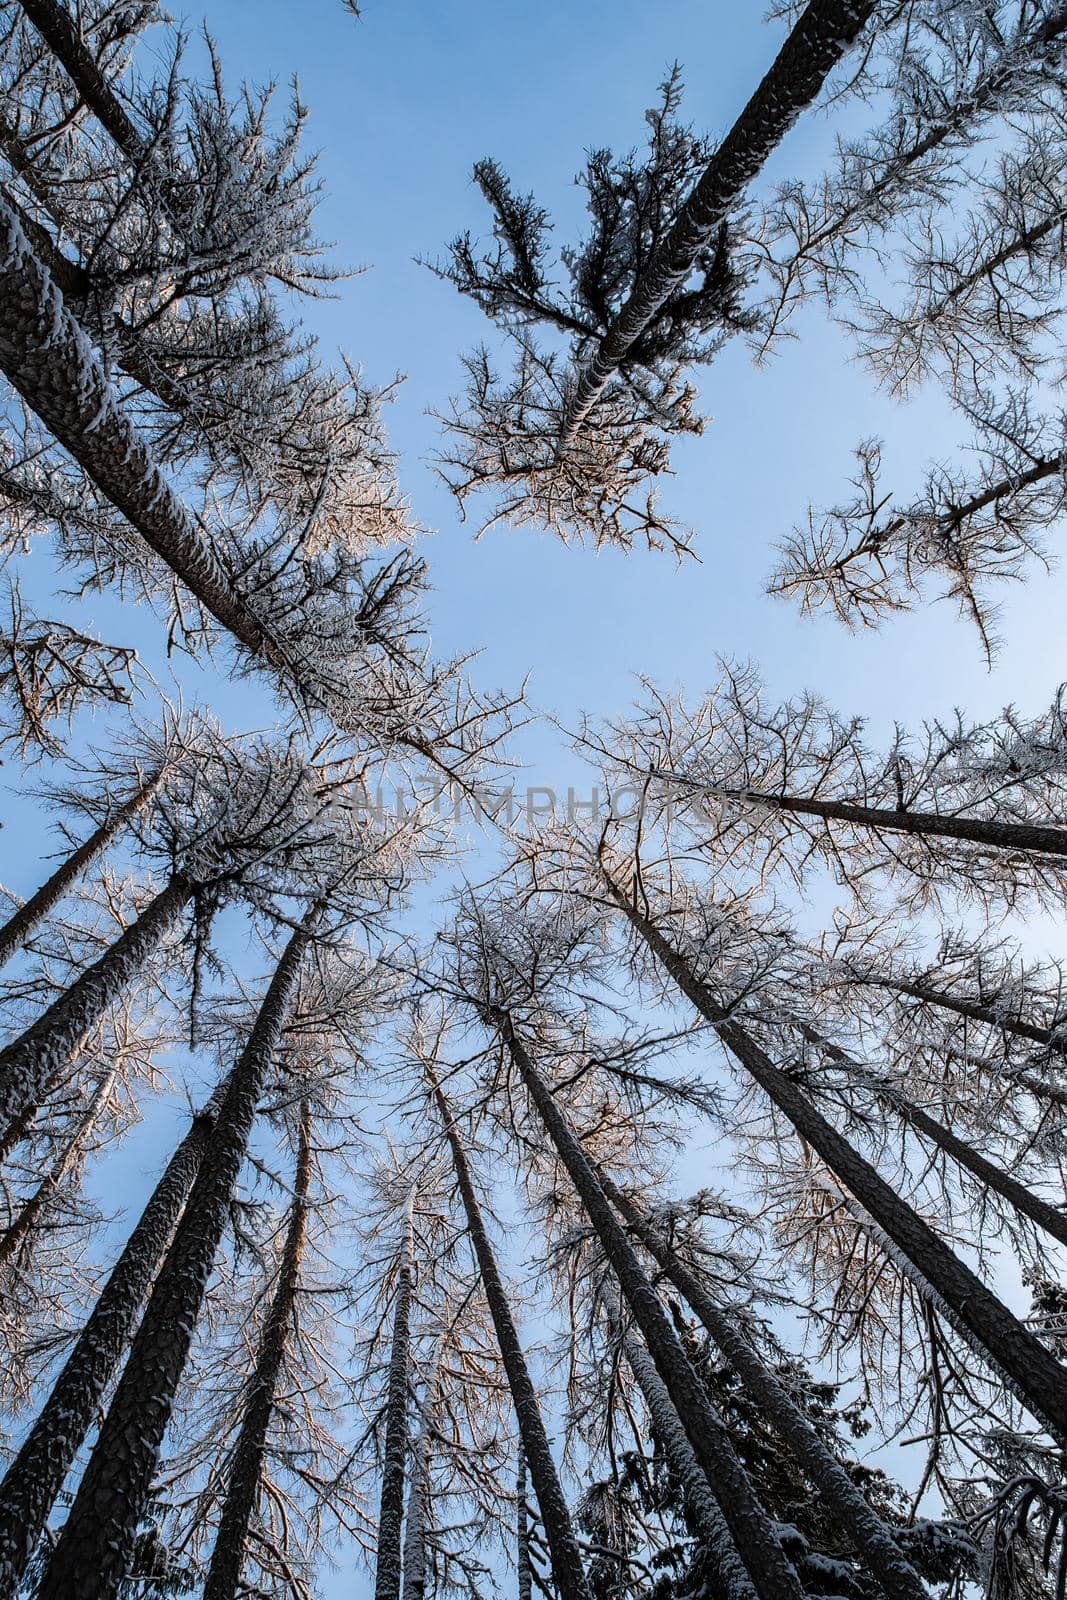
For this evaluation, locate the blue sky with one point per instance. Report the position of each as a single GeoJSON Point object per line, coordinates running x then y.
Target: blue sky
{"type": "Point", "coordinates": [403, 102]}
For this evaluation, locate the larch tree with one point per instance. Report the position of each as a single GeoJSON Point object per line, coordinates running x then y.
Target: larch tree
{"type": "Point", "coordinates": [686, 248]}
{"type": "Point", "coordinates": [956, 809]}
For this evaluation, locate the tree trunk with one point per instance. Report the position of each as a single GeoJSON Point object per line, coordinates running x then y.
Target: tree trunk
{"type": "Point", "coordinates": [29, 916]}
{"type": "Point", "coordinates": [1017, 836]}
{"type": "Point", "coordinates": [988, 1326]}
{"type": "Point", "coordinates": [19, 1229]}
{"type": "Point", "coordinates": [973, 1010]}
{"type": "Point", "coordinates": [394, 1469]}
{"type": "Point", "coordinates": [771, 1572]}
{"type": "Point", "coordinates": [47, 1045]}
{"type": "Point", "coordinates": [826, 31]}
{"type": "Point", "coordinates": [860, 1524]}
{"type": "Point", "coordinates": [418, 1513]}
{"type": "Point", "coordinates": [567, 1569]}
{"type": "Point", "coordinates": [523, 1569]}
{"type": "Point", "coordinates": [246, 1467]}
{"type": "Point", "coordinates": [19, 1127]}
{"type": "Point", "coordinates": [93, 1554]}
{"type": "Point", "coordinates": [36, 1475]}
{"type": "Point", "coordinates": [702, 1510]}
{"type": "Point", "coordinates": [1040, 1211]}
{"type": "Point", "coordinates": [56, 27]}
{"type": "Point", "coordinates": [49, 360]}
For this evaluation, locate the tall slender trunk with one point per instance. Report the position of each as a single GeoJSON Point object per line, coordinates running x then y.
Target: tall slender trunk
{"type": "Point", "coordinates": [417, 1522]}
{"type": "Point", "coordinates": [861, 1525]}
{"type": "Point", "coordinates": [394, 1468]}
{"type": "Point", "coordinates": [973, 1010]}
{"type": "Point", "coordinates": [36, 1475]}
{"type": "Point", "coordinates": [49, 360]}
{"type": "Point", "coordinates": [523, 1569]}
{"type": "Point", "coordinates": [987, 1325]}
{"type": "Point", "coordinates": [567, 1569]}
{"type": "Point", "coordinates": [771, 1572]}
{"type": "Point", "coordinates": [29, 916]}
{"type": "Point", "coordinates": [93, 1554]}
{"type": "Point", "coordinates": [702, 1509]}
{"type": "Point", "coordinates": [47, 1044]}
{"type": "Point", "coordinates": [1018, 836]}
{"type": "Point", "coordinates": [13, 1236]}
{"type": "Point", "coordinates": [1047, 1216]}
{"type": "Point", "coordinates": [826, 31]}
{"type": "Point", "coordinates": [246, 1466]}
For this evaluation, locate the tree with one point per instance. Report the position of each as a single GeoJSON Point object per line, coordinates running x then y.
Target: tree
{"type": "Point", "coordinates": [970, 1307]}
{"type": "Point", "coordinates": [48, 672]}
{"type": "Point", "coordinates": [844, 1503]}
{"type": "Point", "coordinates": [36, 1474]}
{"type": "Point", "coordinates": [236, 819]}
{"type": "Point", "coordinates": [113, 1494]}
{"type": "Point", "coordinates": [356, 871]}
{"type": "Point", "coordinates": [959, 808]}
{"type": "Point", "coordinates": [388, 1568]}
{"type": "Point", "coordinates": [245, 1465]}
{"type": "Point", "coordinates": [681, 254]}
{"type": "Point", "coordinates": [567, 1566]}
{"type": "Point", "coordinates": [296, 452]}
{"type": "Point", "coordinates": [20, 926]}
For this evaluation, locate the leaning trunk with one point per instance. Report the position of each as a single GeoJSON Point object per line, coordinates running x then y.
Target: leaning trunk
{"type": "Point", "coordinates": [30, 1061]}
{"type": "Point", "coordinates": [567, 1569]}
{"type": "Point", "coordinates": [28, 918]}
{"type": "Point", "coordinates": [702, 1511]}
{"type": "Point", "coordinates": [1019, 837]}
{"type": "Point", "coordinates": [973, 1010]}
{"type": "Point", "coordinates": [48, 359]}
{"type": "Point", "coordinates": [966, 1157]}
{"type": "Point", "coordinates": [771, 1572]}
{"type": "Point", "coordinates": [860, 1525]}
{"type": "Point", "coordinates": [22, 1225]}
{"type": "Point", "coordinates": [394, 1469]}
{"type": "Point", "coordinates": [92, 1556]}
{"type": "Point", "coordinates": [35, 1477]}
{"type": "Point", "coordinates": [987, 1325]}
{"type": "Point", "coordinates": [246, 1467]}
{"type": "Point", "coordinates": [826, 31]}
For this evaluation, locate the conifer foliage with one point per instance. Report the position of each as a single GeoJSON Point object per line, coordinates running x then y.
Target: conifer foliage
{"type": "Point", "coordinates": [411, 1292]}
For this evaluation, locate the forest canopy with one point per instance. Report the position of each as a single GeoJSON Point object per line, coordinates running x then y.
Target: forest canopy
{"type": "Point", "coordinates": [420, 1180]}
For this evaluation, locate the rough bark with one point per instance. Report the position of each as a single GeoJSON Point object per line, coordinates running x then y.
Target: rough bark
{"type": "Point", "coordinates": [47, 1045]}
{"type": "Point", "coordinates": [771, 1572]}
{"type": "Point", "coordinates": [989, 1327]}
{"type": "Point", "coordinates": [30, 915]}
{"type": "Point", "coordinates": [394, 1468]}
{"type": "Point", "coordinates": [36, 1475]}
{"type": "Point", "coordinates": [567, 1569]}
{"type": "Point", "coordinates": [50, 361]}
{"type": "Point", "coordinates": [702, 1509]}
{"type": "Point", "coordinates": [92, 1556]}
{"type": "Point", "coordinates": [246, 1465]}
{"type": "Point", "coordinates": [824, 34]}
{"type": "Point", "coordinates": [860, 1524]}
{"type": "Point", "coordinates": [523, 1568]}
